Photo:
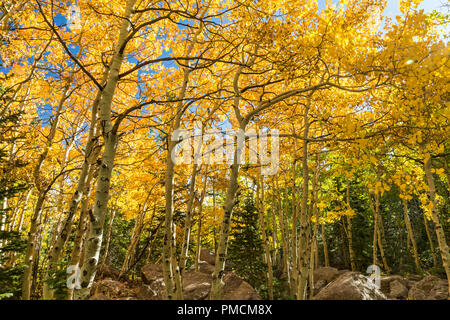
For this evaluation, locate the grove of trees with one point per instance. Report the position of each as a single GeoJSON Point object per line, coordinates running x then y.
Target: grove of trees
{"type": "Point", "coordinates": [93, 92]}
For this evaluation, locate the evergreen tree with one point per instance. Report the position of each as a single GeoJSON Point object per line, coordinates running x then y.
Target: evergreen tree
{"type": "Point", "coordinates": [11, 242]}
{"type": "Point", "coordinates": [246, 247]}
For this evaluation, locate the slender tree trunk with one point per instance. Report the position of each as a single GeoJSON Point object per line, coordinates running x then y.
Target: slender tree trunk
{"type": "Point", "coordinates": [110, 138]}
{"type": "Point", "coordinates": [430, 240]}
{"type": "Point", "coordinates": [219, 268]}
{"type": "Point", "coordinates": [305, 219]}
{"type": "Point", "coordinates": [187, 223]}
{"type": "Point", "coordinates": [350, 233]}
{"type": "Point", "coordinates": [262, 223]}
{"type": "Point", "coordinates": [443, 247]}
{"type": "Point", "coordinates": [108, 237]}
{"type": "Point", "coordinates": [31, 247]}
{"type": "Point", "coordinates": [42, 193]}
{"type": "Point", "coordinates": [375, 230]}
{"type": "Point", "coordinates": [274, 233]}
{"type": "Point", "coordinates": [81, 232]}
{"type": "Point", "coordinates": [284, 233]}
{"type": "Point", "coordinates": [411, 235]}
{"type": "Point", "coordinates": [294, 234]}
{"type": "Point", "coordinates": [200, 211]}
{"type": "Point", "coordinates": [325, 246]}
{"type": "Point", "coordinates": [314, 200]}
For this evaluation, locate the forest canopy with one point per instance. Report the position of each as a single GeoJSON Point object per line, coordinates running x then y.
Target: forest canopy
{"type": "Point", "coordinates": [280, 135]}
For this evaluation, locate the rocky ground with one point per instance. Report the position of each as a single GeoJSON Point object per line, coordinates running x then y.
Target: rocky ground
{"type": "Point", "coordinates": [329, 284]}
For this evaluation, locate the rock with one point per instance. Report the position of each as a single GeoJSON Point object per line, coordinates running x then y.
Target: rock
{"type": "Point", "coordinates": [344, 271]}
{"type": "Point", "coordinates": [112, 289]}
{"type": "Point", "coordinates": [151, 272]}
{"type": "Point", "coordinates": [105, 271]}
{"type": "Point", "coordinates": [429, 288]}
{"type": "Point", "coordinates": [207, 256]}
{"type": "Point", "coordinates": [237, 289]}
{"type": "Point", "coordinates": [197, 285]}
{"type": "Point", "coordinates": [159, 288]}
{"type": "Point", "coordinates": [197, 291]}
{"type": "Point", "coordinates": [99, 297]}
{"type": "Point", "coordinates": [192, 277]}
{"type": "Point", "coordinates": [327, 274]}
{"type": "Point", "coordinates": [319, 285]}
{"type": "Point", "coordinates": [145, 292]}
{"type": "Point", "coordinates": [385, 283]}
{"type": "Point", "coordinates": [205, 267]}
{"type": "Point", "coordinates": [415, 277]}
{"type": "Point", "coordinates": [398, 290]}
{"type": "Point", "coordinates": [350, 286]}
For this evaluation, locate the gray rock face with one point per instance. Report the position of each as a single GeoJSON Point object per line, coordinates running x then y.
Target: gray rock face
{"type": "Point", "coordinates": [145, 292]}
{"type": "Point", "coordinates": [385, 283]}
{"type": "Point", "coordinates": [112, 289]}
{"type": "Point", "coordinates": [237, 289]}
{"type": "Point", "coordinates": [151, 272]}
{"type": "Point", "coordinates": [398, 290]}
{"type": "Point", "coordinates": [197, 285]}
{"type": "Point", "coordinates": [350, 286]}
{"type": "Point", "coordinates": [429, 288]}
{"type": "Point", "coordinates": [327, 274]}
{"type": "Point", "coordinates": [205, 267]}
{"type": "Point", "coordinates": [207, 256]}
{"type": "Point", "coordinates": [99, 297]}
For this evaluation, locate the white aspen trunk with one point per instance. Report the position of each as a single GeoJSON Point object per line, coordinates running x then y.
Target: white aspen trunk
{"type": "Point", "coordinates": [42, 193]}
{"type": "Point", "coordinates": [108, 237]}
{"type": "Point", "coordinates": [314, 197]}
{"type": "Point", "coordinates": [305, 219]}
{"type": "Point", "coordinates": [375, 230]}
{"type": "Point", "coordinates": [284, 233]}
{"type": "Point", "coordinates": [411, 234]}
{"type": "Point", "coordinates": [262, 223]}
{"type": "Point", "coordinates": [97, 217]}
{"type": "Point", "coordinates": [350, 233]}
{"type": "Point", "coordinates": [274, 234]}
{"type": "Point", "coordinates": [294, 235]}
{"type": "Point", "coordinates": [81, 232]}
{"type": "Point", "coordinates": [187, 223]}
{"type": "Point", "coordinates": [443, 247]}
{"type": "Point", "coordinates": [430, 240]}
{"type": "Point", "coordinates": [230, 198]}
{"type": "Point", "coordinates": [200, 211]}
{"type": "Point", "coordinates": [173, 279]}
{"type": "Point", "coordinates": [325, 246]}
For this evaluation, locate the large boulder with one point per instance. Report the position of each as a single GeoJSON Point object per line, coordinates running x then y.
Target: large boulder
{"type": "Point", "coordinates": [205, 267]}
{"type": "Point", "coordinates": [207, 256]}
{"type": "Point", "coordinates": [350, 286]}
{"type": "Point", "coordinates": [429, 288]}
{"type": "Point", "coordinates": [326, 274]}
{"type": "Point", "coordinates": [385, 283]}
{"type": "Point", "coordinates": [151, 272]}
{"type": "Point", "coordinates": [237, 289]}
{"type": "Point", "coordinates": [99, 297]}
{"type": "Point", "coordinates": [398, 290]}
{"type": "Point", "coordinates": [197, 285]}
{"type": "Point", "coordinates": [105, 271]}
{"type": "Point", "coordinates": [146, 292]}
{"type": "Point", "coordinates": [112, 289]}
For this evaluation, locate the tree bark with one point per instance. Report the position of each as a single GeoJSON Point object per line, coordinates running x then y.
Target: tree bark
{"type": "Point", "coordinates": [110, 138]}
{"type": "Point", "coordinates": [443, 247]}
{"type": "Point", "coordinates": [411, 235]}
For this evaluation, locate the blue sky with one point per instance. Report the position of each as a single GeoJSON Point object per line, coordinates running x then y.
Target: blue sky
{"type": "Point", "coordinates": [392, 6]}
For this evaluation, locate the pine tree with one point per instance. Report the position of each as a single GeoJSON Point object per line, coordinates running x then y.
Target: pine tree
{"type": "Point", "coordinates": [11, 241]}
{"type": "Point", "coordinates": [246, 248]}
